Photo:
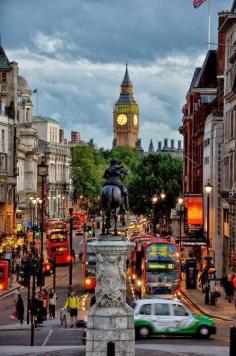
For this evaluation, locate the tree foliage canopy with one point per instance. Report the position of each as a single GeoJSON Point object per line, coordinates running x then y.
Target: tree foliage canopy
{"type": "Point", "coordinates": [147, 176]}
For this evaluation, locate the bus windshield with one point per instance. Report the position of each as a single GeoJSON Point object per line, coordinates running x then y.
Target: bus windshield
{"type": "Point", "coordinates": [162, 252]}
{"type": "Point", "coordinates": [57, 237]}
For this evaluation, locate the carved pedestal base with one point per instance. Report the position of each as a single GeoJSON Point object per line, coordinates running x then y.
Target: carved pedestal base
{"type": "Point", "coordinates": [110, 321]}
{"type": "Point", "coordinates": [110, 325]}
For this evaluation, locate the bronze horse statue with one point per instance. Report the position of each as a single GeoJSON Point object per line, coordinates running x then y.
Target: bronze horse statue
{"type": "Point", "coordinates": [112, 204]}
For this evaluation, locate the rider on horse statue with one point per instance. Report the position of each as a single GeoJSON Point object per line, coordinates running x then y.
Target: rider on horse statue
{"type": "Point", "coordinates": [114, 175]}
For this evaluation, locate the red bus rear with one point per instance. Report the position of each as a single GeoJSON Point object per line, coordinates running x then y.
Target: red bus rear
{"type": "Point", "coordinates": [3, 274]}
{"type": "Point", "coordinates": [89, 265]}
{"type": "Point", "coordinates": [57, 242]}
{"type": "Point", "coordinates": [80, 218]}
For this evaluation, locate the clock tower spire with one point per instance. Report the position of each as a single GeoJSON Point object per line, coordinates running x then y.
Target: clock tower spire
{"type": "Point", "coordinates": [126, 115]}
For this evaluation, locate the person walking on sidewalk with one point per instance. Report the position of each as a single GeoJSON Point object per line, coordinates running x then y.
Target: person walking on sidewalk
{"type": "Point", "coordinates": [73, 304]}
{"type": "Point", "coordinates": [52, 303]}
{"type": "Point", "coordinates": [230, 289]}
{"type": "Point", "coordinates": [20, 308]}
{"type": "Point", "coordinates": [223, 283]}
{"type": "Point", "coordinates": [203, 279]}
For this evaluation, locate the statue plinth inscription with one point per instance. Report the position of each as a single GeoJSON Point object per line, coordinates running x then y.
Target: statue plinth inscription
{"type": "Point", "coordinates": [111, 318]}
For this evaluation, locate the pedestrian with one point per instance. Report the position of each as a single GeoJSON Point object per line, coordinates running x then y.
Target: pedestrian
{"type": "Point", "coordinates": [52, 303]}
{"type": "Point", "coordinates": [20, 308]}
{"type": "Point", "coordinates": [73, 303]}
{"type": "Point", "coordinates": [17, 266]}
{"type": "Point", "coordinates": [223, 283]}
{"type": "Point", "coordinates": [203, 279]}
{"type": "Point", "coordinates": [230, 289]}
{"type": "Point", "coordinates": [212, 288]}
{"type": "Point", "coordinates": [45, 303]}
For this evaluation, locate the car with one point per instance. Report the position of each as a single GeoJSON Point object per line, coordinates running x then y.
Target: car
{"type": "Point", "coordinates": [169, 317]}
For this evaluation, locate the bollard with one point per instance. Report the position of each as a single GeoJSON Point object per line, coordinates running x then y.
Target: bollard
{"type": "Point", "coordinates": [110, 348]}
{"type": "Point", "coordinates": [232, 346]}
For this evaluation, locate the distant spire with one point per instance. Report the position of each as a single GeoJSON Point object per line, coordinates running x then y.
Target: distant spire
{"type": "Point", "coordinates": [126, 80]}
{"type": "Point", "coordinates": [151, 147]}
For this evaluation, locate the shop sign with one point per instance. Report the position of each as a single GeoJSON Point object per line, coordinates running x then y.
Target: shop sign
{"type": "Point", "coordinates": [193, 243]}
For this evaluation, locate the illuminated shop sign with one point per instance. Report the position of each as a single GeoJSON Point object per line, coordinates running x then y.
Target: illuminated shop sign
{"type": "Point", "coordinates": [161, 265]}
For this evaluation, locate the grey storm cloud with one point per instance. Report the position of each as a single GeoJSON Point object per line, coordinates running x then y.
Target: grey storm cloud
{"type": "Point", "coordinates": [75, 51]}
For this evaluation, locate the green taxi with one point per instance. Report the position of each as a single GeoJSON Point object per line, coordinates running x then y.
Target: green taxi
{"type": "Point", "coordinates": [169, 317]}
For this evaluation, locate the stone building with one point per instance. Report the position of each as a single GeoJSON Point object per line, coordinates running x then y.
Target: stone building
{"type": "Point", "coordinates": [58, 158]}
{"type": "Point", "coordinates": [8, 171]}
{"type": "Point", "coordinates": [228, 192]}
{"type": "Point", "coordinates": [27, 153]}
{"type": "Point", "coordinates": [175, 152]}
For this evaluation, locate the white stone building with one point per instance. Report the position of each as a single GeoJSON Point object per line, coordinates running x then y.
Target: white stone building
{"type": "Point", "coordinates": [212, 173]}
{"type": "Point", "coordinates": [58, 158]}
{"type": "Point", "coordinates": [27, 153]}
{"type": "Point", "coordinates": [228, 192]}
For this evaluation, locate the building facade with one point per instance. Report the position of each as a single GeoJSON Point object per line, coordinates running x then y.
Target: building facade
{"type": "Point", "coordinates": [228, 192]}
{"type": "Point", "coordinates": [126, 116]}
{"type": "Point", "coordinates": [58, 159]}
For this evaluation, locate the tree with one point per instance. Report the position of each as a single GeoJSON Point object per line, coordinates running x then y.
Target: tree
{"type": "Point", "coordinates": [154, 173]}
{"type": "Point", "coordinates": [88, 165]}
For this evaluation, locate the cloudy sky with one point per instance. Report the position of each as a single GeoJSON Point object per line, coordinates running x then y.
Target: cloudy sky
{"type": "Point", "coordinates": [74, 52]}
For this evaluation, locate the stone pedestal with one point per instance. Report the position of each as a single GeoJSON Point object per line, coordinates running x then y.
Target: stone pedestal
{"type": "Point", "coordinates": [110, 321]}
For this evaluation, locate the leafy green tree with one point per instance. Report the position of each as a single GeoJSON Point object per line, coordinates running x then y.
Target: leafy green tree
{"type": "Point", "coordinates": [88, 165]}
{"type": "Point", "coordinates": [154, 173]}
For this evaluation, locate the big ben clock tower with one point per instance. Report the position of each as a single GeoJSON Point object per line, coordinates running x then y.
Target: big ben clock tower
{"type": "Point", "coordinates": [126, 116]}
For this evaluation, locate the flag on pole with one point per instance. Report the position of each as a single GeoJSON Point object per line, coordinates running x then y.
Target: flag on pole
{"type": "Point", "coordinates": [197, 3]}
{"type": "Point", "coordinates": [35, 90]}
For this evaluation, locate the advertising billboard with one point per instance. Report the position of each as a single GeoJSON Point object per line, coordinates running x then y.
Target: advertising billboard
{"type": "Point", "coordinates": [194, 210]}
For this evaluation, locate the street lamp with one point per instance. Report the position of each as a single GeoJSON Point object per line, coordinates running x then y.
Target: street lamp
{"type": "Point", "coordinates": [208, 188]}
{"type": "Point", "coordinates": [71, 246]}
{"type": "Point", "coordinates": [180, 202]}
{"type": "Point", "coordinates": [154, 201]}
{"type": "Point", "coordinates": [43, 173]}
{"type": "Point", "coordinates": [163, 195]}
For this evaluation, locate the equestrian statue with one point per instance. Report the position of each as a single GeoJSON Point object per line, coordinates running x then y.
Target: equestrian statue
{"type": "Point", "coordinates": [114, 196]}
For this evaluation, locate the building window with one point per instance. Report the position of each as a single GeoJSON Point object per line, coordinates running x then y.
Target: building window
{"type": "Point", "coordinates": [3, 140]}
{"type": "Point", "coordinates": [226, 170]}
{"type": "Point", "coordinates": [206, 160]}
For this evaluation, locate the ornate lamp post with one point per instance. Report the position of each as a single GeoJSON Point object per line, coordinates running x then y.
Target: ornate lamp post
{"type": "Point", "coordinates": [43, 173]}
{"type": "Point", "coordinates": [180, 202]}
{"type": "Point", "coordinates": [154, 202]}
{"type": "Point", "coordinates": [208, 188]}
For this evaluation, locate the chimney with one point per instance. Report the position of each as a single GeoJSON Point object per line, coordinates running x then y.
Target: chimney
{"type": "Point", "coordinates": [172, 144]}
{"type": "Point", "coordinates": [61, 136]}
{"type": "Point", "coordinates": [165, 143]}
{"type": "Point", "coordinates": [159, 145]}
{"type": "Point", "coordinates": [179, 145]}
{"type": "Point", "coordinates": [74, 137]}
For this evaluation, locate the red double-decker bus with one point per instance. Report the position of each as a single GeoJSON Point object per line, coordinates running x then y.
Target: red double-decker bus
{"type": "Point", "coordinates": [80, 218]}
{"type": "Point", "coordinates": [58, 247]}
{"type": "Point", "coordinates": [161, 270]}
{"type": "Point", "coordinates": [136, 258]}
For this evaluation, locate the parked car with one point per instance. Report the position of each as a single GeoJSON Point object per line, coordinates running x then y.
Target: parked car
{"type": "Point", "coordinates": [169, 317]}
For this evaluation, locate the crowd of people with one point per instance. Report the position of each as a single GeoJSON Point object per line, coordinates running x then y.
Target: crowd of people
{"type": "Point", "coordinates": [207, 281]}
{"type": "Point", "coordinates": [43, 305]}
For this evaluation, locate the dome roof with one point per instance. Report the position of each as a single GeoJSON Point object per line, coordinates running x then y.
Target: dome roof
{"type": "Point", "coordinates": [22, 85]}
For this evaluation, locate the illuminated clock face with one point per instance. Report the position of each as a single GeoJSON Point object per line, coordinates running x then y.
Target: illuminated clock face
{"type": "Point", "coordinates": [135, 120]}
{"type": "Point", "coordinates": [122, 119]}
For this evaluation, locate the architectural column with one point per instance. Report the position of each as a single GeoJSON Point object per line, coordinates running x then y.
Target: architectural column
{"type": "Point", "coordinates": [111, 320]}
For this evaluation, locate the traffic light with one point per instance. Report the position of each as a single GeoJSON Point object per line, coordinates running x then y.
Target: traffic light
{"type": "Point", "coordinates": [24, 272]}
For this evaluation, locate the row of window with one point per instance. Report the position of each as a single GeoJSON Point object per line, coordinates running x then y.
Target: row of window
{"type": "Point", "coordinates": [162, 309]}
{"type": "Point", "coordinates": [230, 124]}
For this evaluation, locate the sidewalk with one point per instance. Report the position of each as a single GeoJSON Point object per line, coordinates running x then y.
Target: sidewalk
{"type": "Point", "coordinates": [49, 324]}
{"type": "Point", "coordinates": [223, 309]}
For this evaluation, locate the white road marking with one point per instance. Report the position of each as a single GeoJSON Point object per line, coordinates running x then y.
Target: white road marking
{"type": "Point", "coordinates": [47, 337]}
